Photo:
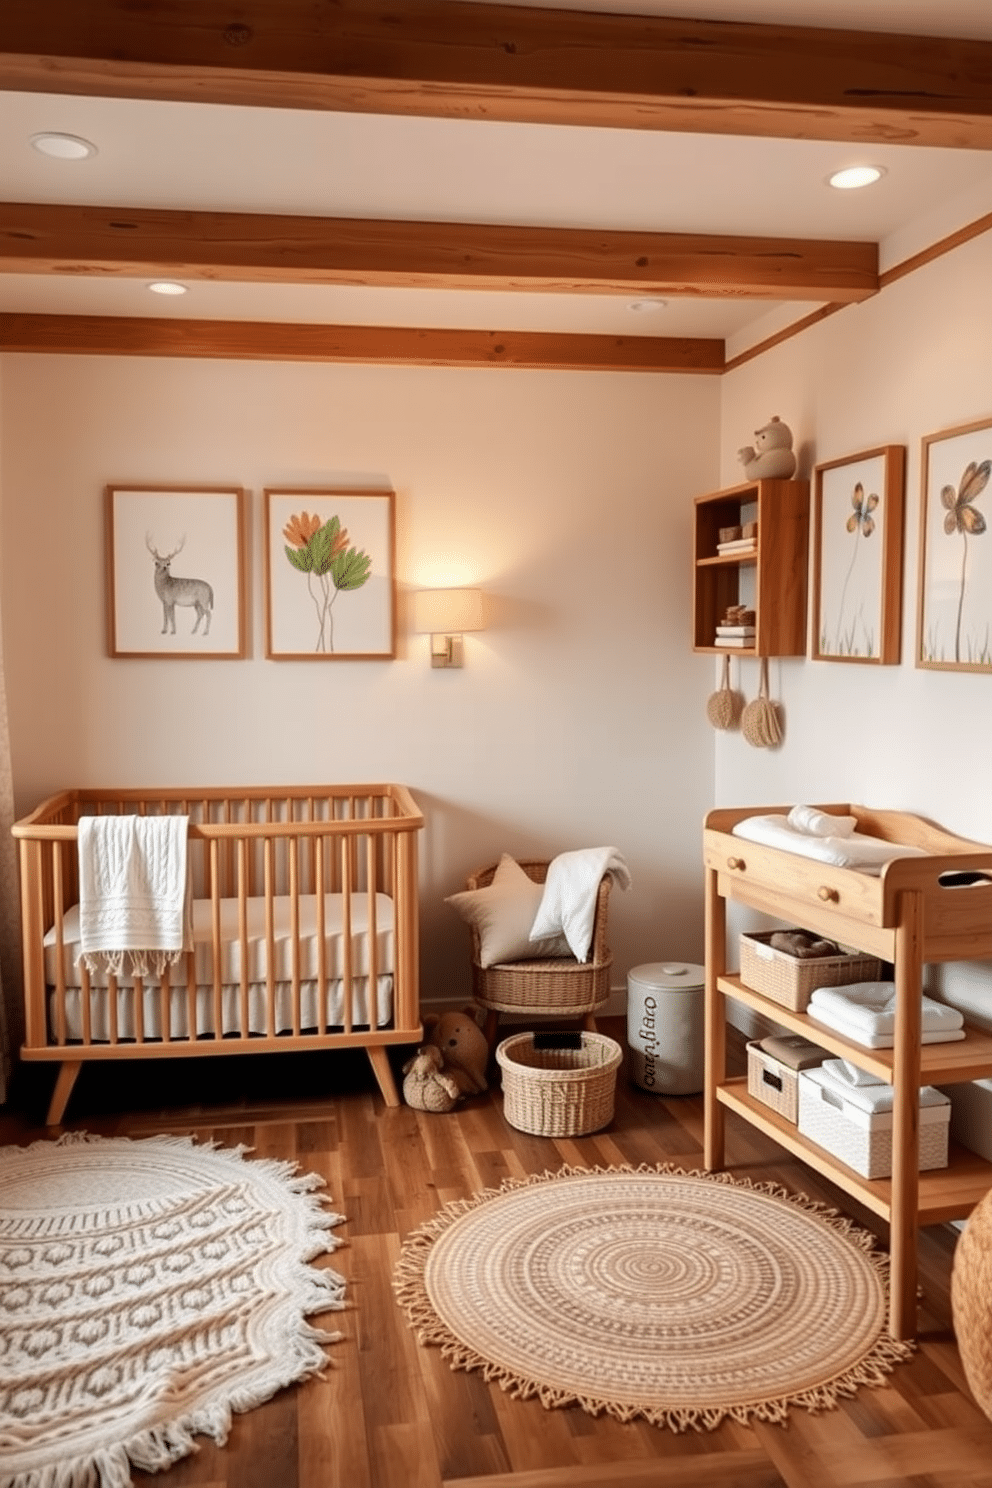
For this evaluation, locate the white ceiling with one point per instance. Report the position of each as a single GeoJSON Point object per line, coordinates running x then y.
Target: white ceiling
{"type": "Point", "coordinates": [204, 156]}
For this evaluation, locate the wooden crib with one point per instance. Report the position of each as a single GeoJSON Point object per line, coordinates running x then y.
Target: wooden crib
{"type": "Point", "coordinates": [305, 917]}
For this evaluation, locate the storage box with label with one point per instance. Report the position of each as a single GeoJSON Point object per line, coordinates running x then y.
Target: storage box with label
{"type": "Point", "coordinates": [773, 1066]}
{"type": "Point", "coordinates": [791, 980]}
{"type": "Point", "coordinates": [835, 1118]}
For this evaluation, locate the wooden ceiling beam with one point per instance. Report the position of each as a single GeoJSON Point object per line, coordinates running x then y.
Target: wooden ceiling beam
{"type": "Point", "coordinates": [120, 242]}
{"type": "Point", "coordinates": [111, 335]}
{"type": "Point", "coordinates": [500, 62]}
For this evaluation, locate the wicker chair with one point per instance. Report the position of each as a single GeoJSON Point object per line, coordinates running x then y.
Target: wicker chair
{"type": "Point", "coordinates": [560, 988]}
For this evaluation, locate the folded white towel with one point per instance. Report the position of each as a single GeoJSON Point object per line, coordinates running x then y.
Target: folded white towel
{"type": "Point", "coordinates": [872, 1006]}
{"type": "Point", "coordinates": [568, 904]}
{"type": "Point", "coordinates": [134, 904]}
{"type": "Point", "coordinates": [872, 1099]}
{"type": "Point", "coordinates": [828, 1018]}
{"type": "Point", "coordinates": [820, 823]}
{"type": "Point", "coordinates": [859, 851]}
{"type": "Point", "coordinates": [849, 1075]}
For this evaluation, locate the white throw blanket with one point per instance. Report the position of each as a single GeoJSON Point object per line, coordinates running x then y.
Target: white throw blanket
{"type": "Point", "coordinates": [568, 904]}
{"type": "Point", "coordinates": [873, 1099]}
{"type": "Point", "coordinates": [134, 902]}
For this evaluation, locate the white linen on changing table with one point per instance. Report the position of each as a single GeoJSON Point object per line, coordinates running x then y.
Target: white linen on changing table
{"type": "Point", "coordinates": [257, 968]}
{"type": "Point", "coordinates": [310, 1014]}
{"type": "Point", "coordinates": [857, 850]}
{"type": "Point", "coordinates": [865, 1012]}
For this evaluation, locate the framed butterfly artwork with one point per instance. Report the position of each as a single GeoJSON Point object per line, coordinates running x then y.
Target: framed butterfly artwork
{"type": "Point", "coordinates": [954, 608]}
{"type": "Point", "coordinates": [858, 504]}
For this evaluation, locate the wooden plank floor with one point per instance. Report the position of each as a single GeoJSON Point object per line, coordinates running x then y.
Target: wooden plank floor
{"type": "Point", "coordinates": [390, 1414]}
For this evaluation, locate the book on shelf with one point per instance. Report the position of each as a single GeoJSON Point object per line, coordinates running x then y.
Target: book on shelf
{"type": "Point", "coordinates": [747, 641]}
{"type": "Point", "coordinates": [742, 545]}
{"type": "Point", "coordinates": [735, 630]}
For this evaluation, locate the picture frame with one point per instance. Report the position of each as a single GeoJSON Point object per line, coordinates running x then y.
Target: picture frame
{"type": "Point", "coordinates": [330, 567]}
{"type": "Point", "coordinates": [158, 606]}
{"type": "Point", "coordinates": [954, 598]}
{"type": "Point", "coordinates": [858, 520]}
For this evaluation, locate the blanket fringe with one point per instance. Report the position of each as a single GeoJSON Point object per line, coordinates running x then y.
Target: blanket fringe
{"type": "Point", "coordinates": [412, 1296]}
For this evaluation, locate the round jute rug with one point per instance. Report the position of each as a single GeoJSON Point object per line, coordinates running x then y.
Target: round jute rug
{"type": "Point", "coordinates": [680, 1297]}
{"type": "Point", "coordinates": [147, 1290]}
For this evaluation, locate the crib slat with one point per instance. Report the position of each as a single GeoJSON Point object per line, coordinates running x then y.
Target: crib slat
{"type": "Point", "coordinates": [347, 879]}
{"type": "Point", "coordinates": [373, 935]}
{"type": "Point", "coordinates": [139, 1008]}
{"type": "Point", "coordinates": [292, 848]}
{"type": "Point", "coordinates": [322, 1021]}
{"type": "Point", "coordinates": [216, 949]}
{"type": "Point", "coordinates": [192, 1022]}
{"type": "Point", "coordinates": [270, 940]}
{"type": "Point", "coordinates": [57, 890]}
{"type": "Point", "coordinates": [165, 1008]}
{"type": "Point", "coordinates": [243, 871]}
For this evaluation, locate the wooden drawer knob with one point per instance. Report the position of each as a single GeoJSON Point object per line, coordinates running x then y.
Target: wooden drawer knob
{"type": "Point", "coordinates": [828, 895]}
{"type": "Point", "coordinates": [735, 863]}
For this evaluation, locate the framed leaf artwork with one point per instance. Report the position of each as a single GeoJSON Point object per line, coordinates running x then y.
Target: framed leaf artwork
{"type": "Point", "coordinates": [858, 505]}
{"type": "Point", "coordinates": [329, 575]}
{"type": "Point", "coordinates": [176, 561]}
{"type": "Point", "coordinates": [954, 609]}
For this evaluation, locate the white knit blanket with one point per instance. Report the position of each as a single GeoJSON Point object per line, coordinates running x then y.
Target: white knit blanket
{"type": "Point", "coordinates": [147, 1290]}
{"type": "Point", "coordinates": [134, 901]}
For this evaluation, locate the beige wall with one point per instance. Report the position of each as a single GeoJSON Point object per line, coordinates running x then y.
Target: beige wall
{"type": "Point", "coordinates": [579, 717]}
{"type": "Point", "coordinates": [915, 360]}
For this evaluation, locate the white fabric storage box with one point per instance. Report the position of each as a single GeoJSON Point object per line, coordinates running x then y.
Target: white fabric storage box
{"type": "Point", "coordinates": [971, 1115]}
{"type": "Point", "coordinates": [792, 980]}
{"type": "Point", "coordinates": [864, 1140]}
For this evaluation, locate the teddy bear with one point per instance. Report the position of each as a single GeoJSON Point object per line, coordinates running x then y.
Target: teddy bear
{"type": "Point", "coordinates": [771, 456]}
{"type": "Point", "coordinates": [425, 1086]}
{"type": "Point", "coordinates": [464, 1046]}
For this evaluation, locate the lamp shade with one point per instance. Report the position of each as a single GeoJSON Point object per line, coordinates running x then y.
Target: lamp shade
{"type": "Point", "coordinates": [447, 611]}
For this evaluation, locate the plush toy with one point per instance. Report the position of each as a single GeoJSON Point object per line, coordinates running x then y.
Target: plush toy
{"type": "Point", "coordinates": [771, 456]}
{"type": "Point", "coordinates": [463, 1044]}
{"type": "Point", "coordinates": [425, 1086]}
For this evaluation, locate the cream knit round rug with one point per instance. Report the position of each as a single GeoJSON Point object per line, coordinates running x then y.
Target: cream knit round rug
{"type": "Point", "coordinates": [682, 1298]}
{"type": "Point", "coordinates": [147, 1289]}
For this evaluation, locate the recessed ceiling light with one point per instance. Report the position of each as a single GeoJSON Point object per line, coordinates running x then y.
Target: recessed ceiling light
{"type": "Point", "coordinates": [63, 146]}
{"type": "Point", "coordinates": [647, 305]}
{"type": "Point", "coordinates": [856, 176]}
{"type": "Point", "coordinates": [167, 287]}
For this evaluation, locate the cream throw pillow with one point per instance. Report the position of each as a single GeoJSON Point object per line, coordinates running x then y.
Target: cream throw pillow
{"type": "Point", "coordinates": [503, 913]}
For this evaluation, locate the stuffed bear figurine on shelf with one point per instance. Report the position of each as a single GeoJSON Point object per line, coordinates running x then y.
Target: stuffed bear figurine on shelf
{"type": "Point", "coordinates": [425, 1085]}
{"type": "Point", "coordinates": [771, 456]}
{"type": "Point", "coordinates": [464, 1046]}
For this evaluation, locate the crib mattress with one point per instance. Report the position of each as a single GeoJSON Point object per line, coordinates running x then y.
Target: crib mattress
{"type": "Point", "coordinates": [255, 951]}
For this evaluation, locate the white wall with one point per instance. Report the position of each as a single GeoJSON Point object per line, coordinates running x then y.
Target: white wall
{"type": "Point", "coordinates": [579, 718]}
{"type": "Point", "coordinates": [915, 360]}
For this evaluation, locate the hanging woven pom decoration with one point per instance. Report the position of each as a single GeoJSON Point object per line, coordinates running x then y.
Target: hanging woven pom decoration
{"type": "Point", "coordinates": [760, 722]}
{"type": "Point", "coordinates": [723, 707]}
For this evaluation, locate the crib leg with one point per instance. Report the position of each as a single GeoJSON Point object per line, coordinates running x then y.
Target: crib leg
{"type": "Point", "coordinates": [383, 1072]}
{"type": "Point", "coordinates": [589, 1023]}
{"type": "Point", "coordinates": [491, 1028]}
{"type": "Point", "coordinates": [68, 1071]}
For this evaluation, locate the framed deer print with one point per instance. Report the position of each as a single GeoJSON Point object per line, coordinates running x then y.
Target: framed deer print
{"type": "Point", "coordinates": [857, 557]}
{"type": "Point", "coordinates": [176, 565]}
{"type": "Point", "coordinates": [954, 603]}
{"type": "Point", "coordinates": [329, 575]}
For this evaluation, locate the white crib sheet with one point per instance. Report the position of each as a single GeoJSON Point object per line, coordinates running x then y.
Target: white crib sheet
{"type": "Point", "coordinates": [257, 947]}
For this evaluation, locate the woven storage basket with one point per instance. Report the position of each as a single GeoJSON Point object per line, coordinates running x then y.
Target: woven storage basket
{"type": "Point", "coordinates": [791, 980]}
{"type": "Point", "coordinates": [773, 1083]}
{"type": "Point", "coordinates": [559, 1092]}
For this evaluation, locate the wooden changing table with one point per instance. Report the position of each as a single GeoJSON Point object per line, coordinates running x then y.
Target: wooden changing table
{"type": "Point", "coordinates": [913, 912]}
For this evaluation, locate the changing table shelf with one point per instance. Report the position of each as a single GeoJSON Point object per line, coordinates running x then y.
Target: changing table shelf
{"type": "Point", "coordinates": [917, 910]}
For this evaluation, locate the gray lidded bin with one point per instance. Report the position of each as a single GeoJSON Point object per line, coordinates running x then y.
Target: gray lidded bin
{"type": "Point", "coordinates": [665, 1027]}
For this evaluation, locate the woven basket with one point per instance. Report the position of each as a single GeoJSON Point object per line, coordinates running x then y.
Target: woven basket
{"type": "Point", "coordinates": [559, 1092]}
{"type": "Point", "coordinates": [971, 1300]}
{"type": "Point", "coordinates": [772, 1082]}
{"type": "Point", "coordinates": [792, 980]}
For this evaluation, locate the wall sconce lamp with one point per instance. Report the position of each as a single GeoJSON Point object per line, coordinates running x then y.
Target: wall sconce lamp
{"type": "Point", "coordinates": [444, 614]}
